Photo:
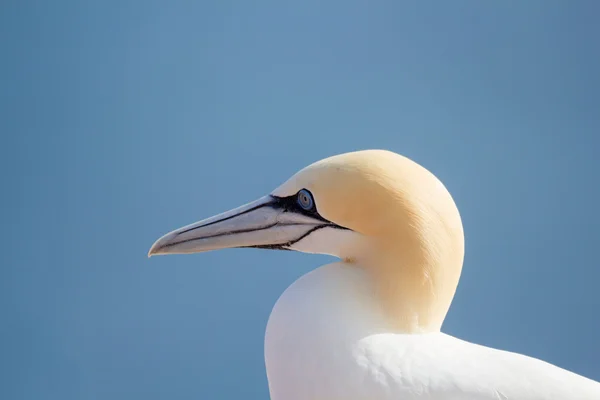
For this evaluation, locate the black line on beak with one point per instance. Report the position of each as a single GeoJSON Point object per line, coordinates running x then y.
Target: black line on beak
{"type": "Point", "coordinates": [285, 204]}
{"type": "Point", "coordinates": [286, 245]}
{"type": "Point", "coordinates": [269, 204]}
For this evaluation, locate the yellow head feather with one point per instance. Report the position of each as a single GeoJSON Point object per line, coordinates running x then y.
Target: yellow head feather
{"type": "Point", "coordinates": [408, 218]}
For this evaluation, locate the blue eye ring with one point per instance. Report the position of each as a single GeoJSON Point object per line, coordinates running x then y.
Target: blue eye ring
{"type": "Point", "coordinates": [305, 200]}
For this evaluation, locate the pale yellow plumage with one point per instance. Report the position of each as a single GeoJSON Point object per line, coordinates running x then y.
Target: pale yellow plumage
{"type": "Point", "coordinates": [413, 227]}
{"type": "Point", "coordinates": [368, 327]}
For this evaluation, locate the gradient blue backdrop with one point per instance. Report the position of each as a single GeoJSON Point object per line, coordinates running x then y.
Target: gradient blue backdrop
{"type": "Point", "coordinates": [122, 120]}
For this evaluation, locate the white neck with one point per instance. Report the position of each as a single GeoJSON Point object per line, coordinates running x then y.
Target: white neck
{"type": "Point", "coordinates": [315, 323]}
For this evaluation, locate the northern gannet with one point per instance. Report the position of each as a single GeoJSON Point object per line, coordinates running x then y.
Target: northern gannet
{"type": "Point", "coordinates": [368, 326]}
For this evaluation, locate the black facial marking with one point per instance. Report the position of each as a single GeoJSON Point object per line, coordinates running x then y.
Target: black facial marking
{"type": "Point", "coordinates": [286, 245]}
{"type": "Point", "coordinates": [290, 204]}
{"type": "Point", "coordinates": [284, 204]}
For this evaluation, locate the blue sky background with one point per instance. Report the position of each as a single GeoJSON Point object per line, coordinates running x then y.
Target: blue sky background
{"type": "Point", "coordinates": [122, 120]}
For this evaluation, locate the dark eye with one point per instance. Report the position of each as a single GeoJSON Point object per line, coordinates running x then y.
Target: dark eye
{"type": "Point", "coordinates": [305, 199]}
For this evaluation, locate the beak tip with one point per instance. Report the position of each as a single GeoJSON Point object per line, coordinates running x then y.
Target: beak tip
{"type": "Point", "coordinates": [156, 247]}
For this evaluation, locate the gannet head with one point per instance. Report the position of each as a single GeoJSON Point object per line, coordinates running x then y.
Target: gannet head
{"type": "Point", "coordinates": [375, 209]}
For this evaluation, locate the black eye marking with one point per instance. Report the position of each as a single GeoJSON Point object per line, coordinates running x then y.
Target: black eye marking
{"type": "Point", "coordinates": [302, 202]}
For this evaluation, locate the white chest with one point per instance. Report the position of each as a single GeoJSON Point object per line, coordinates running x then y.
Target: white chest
{"type": "Point", "coordinates": [323, 340]}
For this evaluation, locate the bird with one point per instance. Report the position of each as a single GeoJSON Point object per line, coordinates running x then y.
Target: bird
{"type": "Point", "coordinates": [368, 326]}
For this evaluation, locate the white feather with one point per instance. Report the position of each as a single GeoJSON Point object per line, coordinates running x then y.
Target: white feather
{"type": "Point", "coordinates": [328, 339]}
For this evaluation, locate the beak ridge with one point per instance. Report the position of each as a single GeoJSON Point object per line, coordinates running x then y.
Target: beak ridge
{"type": "Point", "coordinates": [261, 223]}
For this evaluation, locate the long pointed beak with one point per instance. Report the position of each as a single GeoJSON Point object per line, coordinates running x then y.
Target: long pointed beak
{"type": "Point", "coordinates": [264, 223]}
